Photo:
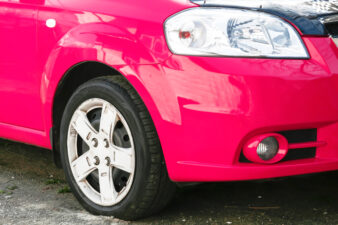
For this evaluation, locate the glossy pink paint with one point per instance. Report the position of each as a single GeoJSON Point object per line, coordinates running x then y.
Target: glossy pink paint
{"type": "Point", "coordinates": [204, 108]}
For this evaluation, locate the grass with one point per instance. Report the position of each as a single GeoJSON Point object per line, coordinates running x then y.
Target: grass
{"type": "Point", "coordinates": [53, 181]}
{"type": "Point", "coordinates": [63, 190]}
{"type": "Point", "coordinates": [2, 192]}
{"type": "Point", "coordinates": [12, 188]}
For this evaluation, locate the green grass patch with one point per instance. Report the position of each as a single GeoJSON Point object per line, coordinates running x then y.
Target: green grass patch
{"type": "Point", "coordinates": [12, 188]}
{"type": "Point", "coordinates": [53, 181]}
{"type": "Point", "coordinates": [63, 190]}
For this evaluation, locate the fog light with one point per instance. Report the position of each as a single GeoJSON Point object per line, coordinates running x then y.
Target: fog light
{"type": "Point", "coordinates": [267, 148]}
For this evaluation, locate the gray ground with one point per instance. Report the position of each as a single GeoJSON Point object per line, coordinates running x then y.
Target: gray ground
{"type": "Point", "coordinates": [33, 191]}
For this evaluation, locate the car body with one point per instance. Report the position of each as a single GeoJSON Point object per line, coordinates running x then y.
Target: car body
{"type": "Point", "coordinates": [205, 109]}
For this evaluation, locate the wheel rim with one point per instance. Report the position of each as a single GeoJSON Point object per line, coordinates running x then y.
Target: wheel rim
{"type": "Point", "coordinates": [106, 154]}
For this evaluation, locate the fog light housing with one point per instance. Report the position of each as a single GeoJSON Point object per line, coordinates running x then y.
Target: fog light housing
{"type": "Point", "coordinates": [267, 148]}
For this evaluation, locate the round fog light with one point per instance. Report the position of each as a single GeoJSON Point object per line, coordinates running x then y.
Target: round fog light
{"type": "Point", "coordinates": [267, 148]}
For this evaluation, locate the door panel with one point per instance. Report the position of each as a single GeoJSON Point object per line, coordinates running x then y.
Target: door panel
{"type": "Point", "coordinates": [19, 81]}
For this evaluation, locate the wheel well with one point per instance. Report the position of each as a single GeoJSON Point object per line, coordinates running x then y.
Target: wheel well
{"type": "Point", "coordinates": [73, 78]}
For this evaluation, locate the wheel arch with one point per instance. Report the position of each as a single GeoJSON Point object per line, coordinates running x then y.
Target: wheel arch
{"type": "Point", "coordinates": [75, 76]}
{"type": "Point", "coordinates": [114, 51]}
{"type": "Point", "coordinates": [92, 50]}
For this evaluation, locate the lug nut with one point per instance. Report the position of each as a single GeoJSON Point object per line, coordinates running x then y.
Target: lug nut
{"type": "Point", "coordinates": [106, 143]}
{"type": "Point", "coordinates": [94, 142]}
{"type": "Point", "coordinates": [107, 161]}
{"type": "Point", "coordinates": [96, 160]}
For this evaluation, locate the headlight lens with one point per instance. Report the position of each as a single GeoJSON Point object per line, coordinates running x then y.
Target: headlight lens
{"type": "Point", "coordinates": [232, 32]}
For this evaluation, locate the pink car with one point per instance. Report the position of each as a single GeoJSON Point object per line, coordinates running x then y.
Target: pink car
{"type": "Point", "coordinates": [133, 96]}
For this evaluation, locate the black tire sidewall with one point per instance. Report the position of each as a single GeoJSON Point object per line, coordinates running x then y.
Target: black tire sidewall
{"type": "Point", "coordinates": [119, 98]}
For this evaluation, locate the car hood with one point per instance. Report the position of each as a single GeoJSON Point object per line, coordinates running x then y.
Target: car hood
{"type": "Point", "coordinates": [308, 15]}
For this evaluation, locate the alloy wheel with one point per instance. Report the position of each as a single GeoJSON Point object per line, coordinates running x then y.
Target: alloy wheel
{"type": "Point", "coordinates": [101, 152]}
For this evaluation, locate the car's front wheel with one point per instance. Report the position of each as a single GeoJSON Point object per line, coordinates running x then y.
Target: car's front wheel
{"type": "Point", "coordinates": [111, 153]}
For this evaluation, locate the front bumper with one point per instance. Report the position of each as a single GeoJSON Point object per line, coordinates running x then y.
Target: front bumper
{"type": "Point", "coordinates": [208, 107]}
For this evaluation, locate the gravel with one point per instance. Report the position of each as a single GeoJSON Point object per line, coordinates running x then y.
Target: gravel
{"type": "Point", "coordinates": [33, 191]}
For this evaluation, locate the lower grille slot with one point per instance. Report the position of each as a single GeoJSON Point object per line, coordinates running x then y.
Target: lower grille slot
{"type": "Point", "coordinates": [302, 153]}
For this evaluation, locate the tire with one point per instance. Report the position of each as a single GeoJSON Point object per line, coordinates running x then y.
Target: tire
{"type": "Point", "coordinates": [111, 174]}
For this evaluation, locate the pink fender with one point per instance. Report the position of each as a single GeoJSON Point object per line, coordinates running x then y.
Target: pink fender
{"type": "Point", "coordinates": [120, 43]}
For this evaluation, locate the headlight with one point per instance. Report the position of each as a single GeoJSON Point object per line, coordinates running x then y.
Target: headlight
{"type": "Point", "coordinates": [232, 32]}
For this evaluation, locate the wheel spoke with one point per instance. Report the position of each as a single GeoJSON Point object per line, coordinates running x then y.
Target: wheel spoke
{"type": "Point", "coordinates": [83, 166]}
{"type": "Point", "coordinates": [123, 158]}
{"type": "Point", "coordinates": [108, 120]}
{"type": "Point", "coordinates": [107, 189]}
{"type": "Point", "coordinates": [83, 127]}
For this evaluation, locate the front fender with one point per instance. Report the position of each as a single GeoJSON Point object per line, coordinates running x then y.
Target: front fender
{"type": "Point", "coordinates": [114, 47]}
